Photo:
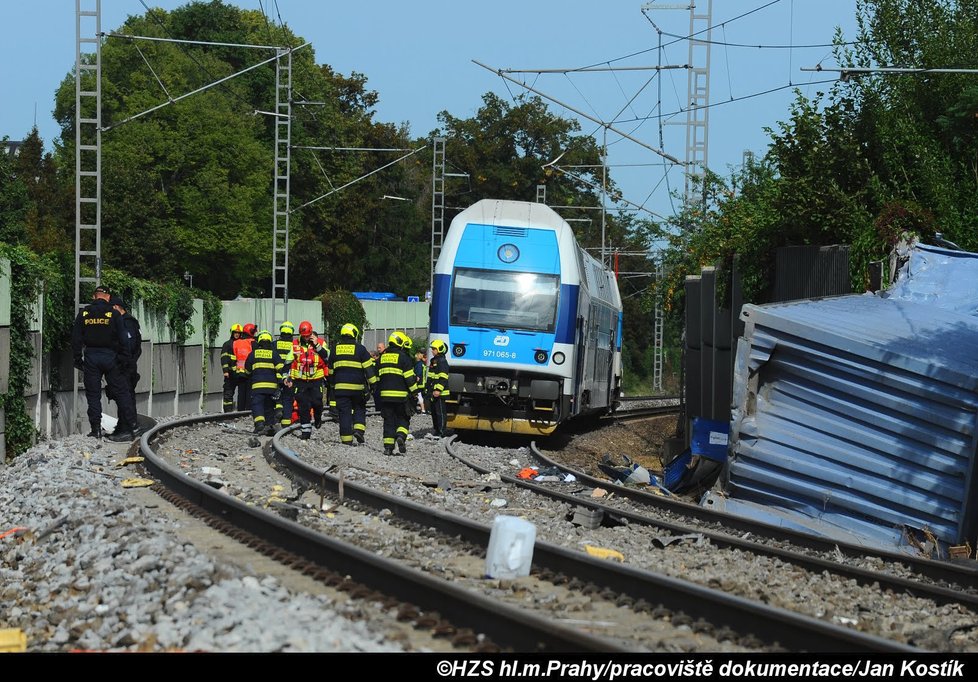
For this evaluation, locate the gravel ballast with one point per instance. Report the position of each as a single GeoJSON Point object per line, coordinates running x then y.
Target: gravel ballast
{"type": "Point", "coordinates": [94, 569]}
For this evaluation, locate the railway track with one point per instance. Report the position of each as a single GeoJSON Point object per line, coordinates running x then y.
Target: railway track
{"type": "Point", "coordinates": [663, 604]}
{"type": "Point", "coordinates": [951, 582]}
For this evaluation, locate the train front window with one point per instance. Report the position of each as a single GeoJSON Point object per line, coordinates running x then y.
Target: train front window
{"type": "Point", "coordinates": [505, 300]}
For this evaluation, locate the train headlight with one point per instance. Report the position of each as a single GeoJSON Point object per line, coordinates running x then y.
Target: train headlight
{"type": "Point", "coordinates": [559, 358]}
{"type": "Point", "coordinates": [540, 356]}
{"type": "Point", "coordinates": [508, 253]}
{"type": "Point", "coordinates": [458, 350]}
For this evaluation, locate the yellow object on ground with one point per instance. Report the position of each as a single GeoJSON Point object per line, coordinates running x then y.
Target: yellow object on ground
{"type": "Point", "coordinates": [137, 483]}
{"type": "Point", "coordinates": [13, 641]}
{"type": "Point", "coordinates": [602, 553]}
{"type": "Point", "coordinates": [131, 460]}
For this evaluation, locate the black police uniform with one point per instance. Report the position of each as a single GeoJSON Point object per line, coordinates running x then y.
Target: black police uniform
{"type": "Point", "coordinates": [98, 343]}
{"type": "Point", "coordinates": [134, 348]}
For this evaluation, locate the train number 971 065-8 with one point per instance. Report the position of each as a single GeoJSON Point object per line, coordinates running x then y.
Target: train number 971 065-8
{"type": "Point", "coordinates": [504, 354]}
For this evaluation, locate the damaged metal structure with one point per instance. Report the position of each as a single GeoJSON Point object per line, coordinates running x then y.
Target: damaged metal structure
{"type": "Point", "coordinates": [854, 417]}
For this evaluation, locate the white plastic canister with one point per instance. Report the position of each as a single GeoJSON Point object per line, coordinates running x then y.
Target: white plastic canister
{"type": "Point", "coordinates": [510, 547]}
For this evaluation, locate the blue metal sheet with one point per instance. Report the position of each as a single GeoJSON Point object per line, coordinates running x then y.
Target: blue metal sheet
{"type": "Point", "coordinates": [861, 412]}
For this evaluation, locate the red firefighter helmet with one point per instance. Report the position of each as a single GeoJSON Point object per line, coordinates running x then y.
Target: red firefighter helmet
{"type": "Point", "coordinates": [250, 329]}
{"type": "Point", "coordinates": [305, 328]}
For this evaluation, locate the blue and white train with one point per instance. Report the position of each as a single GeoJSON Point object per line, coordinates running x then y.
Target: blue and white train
{"type": "Point", "coordinates": [532, 322]}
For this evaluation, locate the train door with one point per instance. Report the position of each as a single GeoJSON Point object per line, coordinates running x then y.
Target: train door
{"type": "Point", "coordinates": [610, 387]}
{"type": "Point", "coordinates": [579, 365]}
{"type": "Point", "coordinates": [601, 342]}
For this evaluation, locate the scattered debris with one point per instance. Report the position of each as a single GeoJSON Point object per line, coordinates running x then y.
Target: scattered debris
{"type": "Point", "coordinates": [604, 553]}
{"type": "Point", "coordinates": [630, 474]}
{"type": "Point", "coordinates": [599, 492]}
{"type": "Point", "coordinates": [960, 551]}
{"type": "Point", "coordinates": [131, 460]}
{"type": "Point", "coordinates": [662, 541]}
{"type": "Point", "coordinates": [13, 641]}
{"type": "Point", "coordinates": [588, 518]}
{"type": "Point", "coordinates": [137, 483]}
{"type": "Point", "coordinates": [498, 502]}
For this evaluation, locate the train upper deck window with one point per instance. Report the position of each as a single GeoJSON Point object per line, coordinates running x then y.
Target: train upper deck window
{"type": "Point", "coordinates": [505, 300]}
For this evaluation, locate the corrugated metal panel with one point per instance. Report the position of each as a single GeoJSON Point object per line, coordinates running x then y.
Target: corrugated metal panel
{"type": "Point", "coordinates": [858, 411]}
{"type": "Point", "coordinates": [811, 272]}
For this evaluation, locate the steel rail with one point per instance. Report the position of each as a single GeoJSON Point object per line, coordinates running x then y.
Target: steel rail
{"type": "Point", "coordinates": [938, 594]}
{"type": "Point", "coordinates": [770, 624]}
{"type": "Point", "coordinates": [507, 626]}
{"type": "Point", "coordinates": [940, 571]}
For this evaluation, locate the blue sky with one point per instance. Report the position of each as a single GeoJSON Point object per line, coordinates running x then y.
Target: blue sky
{"type": "Point", "coordinates": [418, 56]}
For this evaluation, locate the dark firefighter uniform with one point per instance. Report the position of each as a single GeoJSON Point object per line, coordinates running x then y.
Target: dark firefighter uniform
{"type": "Point", "coordinates": [351, 374]}
{"type": "Point", "coordinates": [229, 367]}
{"type": "Point", "coordinates": [284, 343]}
{"type": "Point", "coordinates": [98, 344]}
{"type": "Point", "coordinates": [437, 386]}
{"type": "Point", "coordinates": [396, 391]}
{"type": "Point", "coordinates": [308, 374]}
{"type": "Point", "coordinates": [266, 370]}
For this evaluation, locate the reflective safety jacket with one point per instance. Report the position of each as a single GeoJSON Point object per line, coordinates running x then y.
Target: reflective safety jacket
{"type": "Point", "coordinates": [265, 367]}
{"type": "Point", "coordinates": [284, 345]}
{"type": "Point", "coordinates": [397, 379]}
{"type": "Point", "coordinates": [308, 363]}
{"type": "Point", "coordinates": [438, 371]}
{"type": "Point", "coordinates": [242, 349]}
{"type": "Point", "coordinates": [351, 369]}
{"type": "Point", "coordinates": [228, 359]}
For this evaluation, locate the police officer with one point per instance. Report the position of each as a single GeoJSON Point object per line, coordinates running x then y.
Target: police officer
{"type": "Point", "coordinates": [396, 391]}
{"type": "Point", "coordinates": [229, 367]}
{"type": "Point", "coordinates": [284, 343]}
{"type": "Point", "coordinates": [437, 386]}
{"type": "Point", "coordinates": [99, 343]}
{"type": "Point", "coordinates": [134, 348]}
{"type": "Point", "coordinates": [267, 372]}
{"type": "Point", "coordinates": [351, 374]}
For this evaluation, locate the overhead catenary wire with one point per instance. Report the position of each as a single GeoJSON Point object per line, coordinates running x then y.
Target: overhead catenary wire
{"type": "Point", "coordinates": [356, 180]}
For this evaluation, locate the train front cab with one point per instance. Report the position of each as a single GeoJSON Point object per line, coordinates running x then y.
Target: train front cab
{"type": "Point", "coordinates": [513, 376]}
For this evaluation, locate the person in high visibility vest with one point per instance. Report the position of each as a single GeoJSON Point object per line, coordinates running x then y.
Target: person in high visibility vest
{"type": "Point", "coordinates": [308, 373]}
{"type": "Point", "coordinates": [266, 371]}
{"type": "Point", "coordinates": [229, 367]}
{"type": "Point", "coordinates": [351, 374]}
{"type": "Point", "coordinates": [284, 345]}
{"type": "Point", "coordinates": [242, 349]}
{"type": "Point", "coordinates": [395, 393]}
{"type": "Point", "coordinates": [438, 371]}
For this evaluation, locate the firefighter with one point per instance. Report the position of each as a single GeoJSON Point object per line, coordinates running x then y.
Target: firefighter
{"type": "Point", "coordinates": [351, 375]}
{"type": "Point", "coordinates": [229, 367]}
{"type": "Point", "coordinates": [242, 349]}
{"type": "Point", "coordinates": [437, 386]}
{"type": "Point", "coordinates": [396, 391]}
{"type": "Point", "coordinates": [284, 345]}
{"type": "Point", "coordinates": [308, 374]}
{"type": "Point", "coordinates": [266, 372]}
{"type": "Point", "coordinates": [99, 346]}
